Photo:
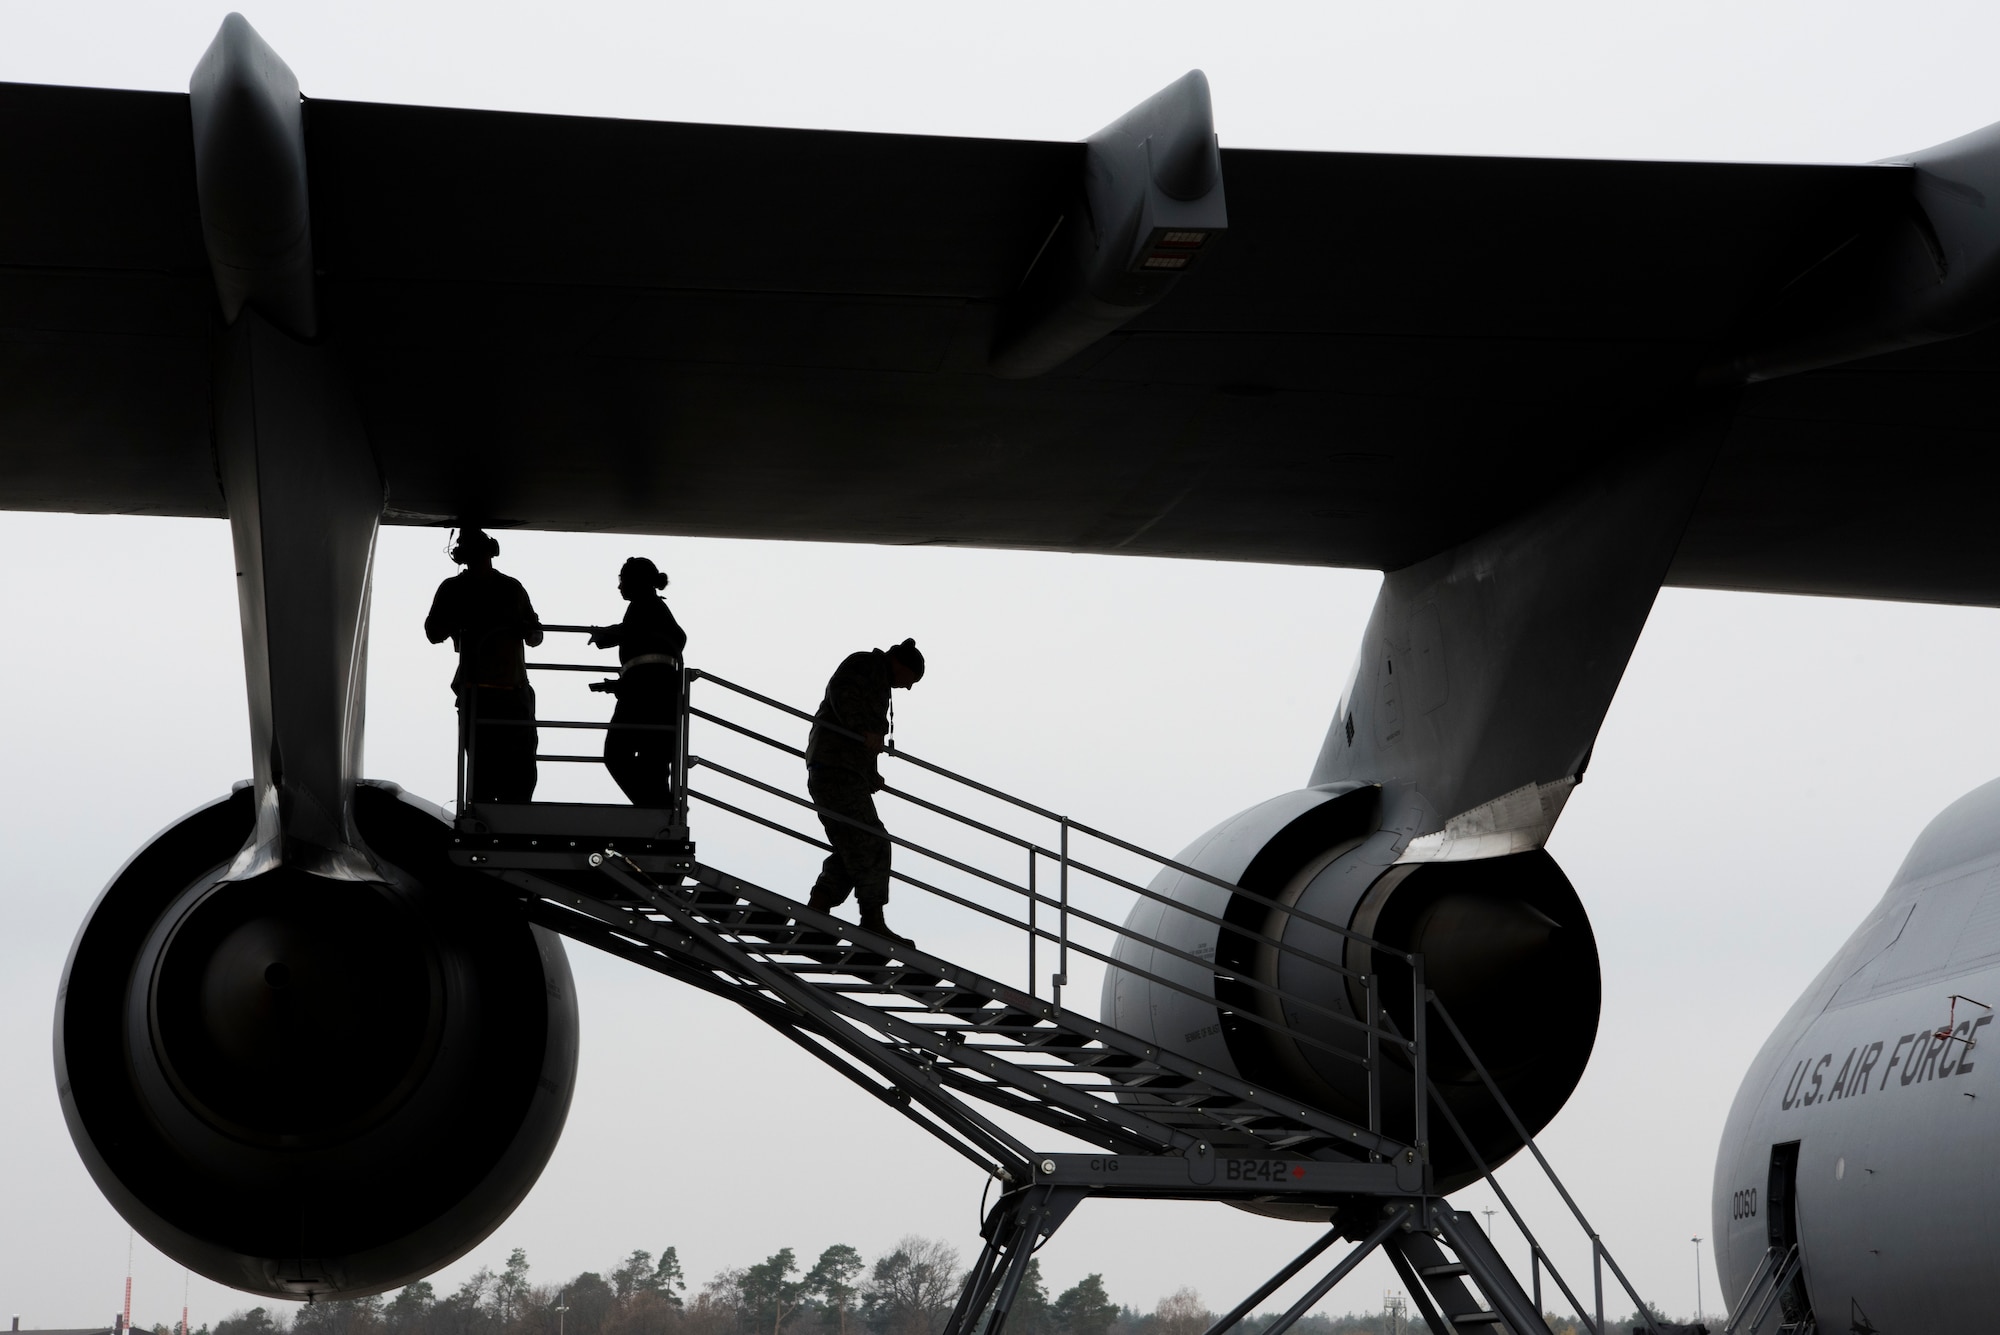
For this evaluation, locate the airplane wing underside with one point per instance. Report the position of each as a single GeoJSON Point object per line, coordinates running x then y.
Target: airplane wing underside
{"type": "Point", "coordinates": [586, 324]}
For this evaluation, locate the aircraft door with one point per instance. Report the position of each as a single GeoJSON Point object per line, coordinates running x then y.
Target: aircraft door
{"type": "Point", "coordinates": [1782, 1215]}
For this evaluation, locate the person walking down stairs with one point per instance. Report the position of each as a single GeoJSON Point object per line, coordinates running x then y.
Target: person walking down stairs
{"type": "Point", "coordinates": [850, 731]}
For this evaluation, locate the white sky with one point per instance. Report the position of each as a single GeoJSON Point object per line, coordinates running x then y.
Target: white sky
{"type": "Point", "coordinates": [1762, 771]}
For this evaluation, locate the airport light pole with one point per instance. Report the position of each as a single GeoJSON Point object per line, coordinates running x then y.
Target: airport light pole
{"type": "Point", "coordinates": [1697, 1280]}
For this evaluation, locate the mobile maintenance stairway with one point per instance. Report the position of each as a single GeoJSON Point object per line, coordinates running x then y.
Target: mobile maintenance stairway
{"type": "Point", "coordinates": [949, 1047]}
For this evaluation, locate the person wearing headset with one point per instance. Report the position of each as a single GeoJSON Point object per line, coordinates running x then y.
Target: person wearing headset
{"type": "Point", "coordinates": [489, 620]}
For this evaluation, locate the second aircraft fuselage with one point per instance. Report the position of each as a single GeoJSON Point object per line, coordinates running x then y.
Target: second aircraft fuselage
{"type": "Point", "coordinates": [1865, 1130]}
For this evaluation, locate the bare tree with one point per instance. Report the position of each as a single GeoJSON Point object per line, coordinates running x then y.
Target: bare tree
{"type": "Point", "coordinates": [464, 1312]}
{"type": "Point", "coordinates": [911, 1290]}
{"type": "Point", "coordinates": [1181, 1313]}
{"type": "Point", "coordinates": [716, 1310]}
{"type": "Point", "coordinates": [643, 1312]}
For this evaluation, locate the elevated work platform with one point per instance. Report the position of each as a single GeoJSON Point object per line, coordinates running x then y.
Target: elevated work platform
{"type": "Point", "coordinates": [952, 1048]}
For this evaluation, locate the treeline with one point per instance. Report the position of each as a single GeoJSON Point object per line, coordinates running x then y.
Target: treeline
{"type": "Point", "coordinates": [909, 1290]}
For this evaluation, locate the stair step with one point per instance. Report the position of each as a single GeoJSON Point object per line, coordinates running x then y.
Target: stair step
{"type": "Point", "coordinates": [961, 1006]}
{"type": "Point", "coordinates": [830, 961]}
{"type": "Point", "coordinates": [1478, 1319]}
{"type": "Point", "coordinates": [1450, 1270]}
{"type": "Point", "coordinates": [1011, 1015]}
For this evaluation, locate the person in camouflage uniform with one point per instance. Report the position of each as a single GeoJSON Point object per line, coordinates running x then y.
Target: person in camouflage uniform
{"type": "Point", "coordinates": [850, 730]}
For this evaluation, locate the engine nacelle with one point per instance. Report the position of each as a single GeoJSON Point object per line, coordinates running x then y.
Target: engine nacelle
{"type": "Point", "coordinates": [1506, 945]}
{"type": "Point", "coordinates": [304, 1086]}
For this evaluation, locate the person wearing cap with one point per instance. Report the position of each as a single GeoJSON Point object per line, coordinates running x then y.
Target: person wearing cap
{"type": "Point", "coordinates": [850, 731]}
{"type": "Point", "coordinates": [640, 754]}
{"type": "Point", "coordinates": [489, 620]}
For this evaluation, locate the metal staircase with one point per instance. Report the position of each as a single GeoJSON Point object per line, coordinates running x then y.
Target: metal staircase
{"type": "Point", "coordinates": [1772, 1293]}
{"type": "Point", "coordinates": [951, 1047]}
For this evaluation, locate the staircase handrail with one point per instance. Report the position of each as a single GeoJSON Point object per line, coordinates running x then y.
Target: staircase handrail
{"type": "Point", "coordinates": [1034, 849]}
{"type": "Point", "coordinates": [1045, 934]}
{"type": "Point", "coordinates": [1767, 1270]}
{"type": "Point", "coordinates": [1267, 901]}
{"type": "Point", "coordinates": [1598, 1250]}
{"type": "Point", "coordinates": [1779, 1265]}
{"type": "Point", "coordinates": [1507, 1202]}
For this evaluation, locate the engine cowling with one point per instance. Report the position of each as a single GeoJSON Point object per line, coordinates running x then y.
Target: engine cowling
{"type": "Point", "coordinates": [304, 1086]}
{"type": "Point", "coordinates": [1506, 943]}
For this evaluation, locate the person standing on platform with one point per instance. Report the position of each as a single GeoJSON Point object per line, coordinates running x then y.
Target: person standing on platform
{"type": "Point", "coordinates": [850, 731]}
{"type": "Point", "coordinates": [640, 754]}
{"type": "Point", "coordinates": [489, 620]}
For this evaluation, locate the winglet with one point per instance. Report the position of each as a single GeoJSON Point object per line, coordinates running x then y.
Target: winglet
{"type": "Point", "coordinates": [1149, 207]}
{"type": "Point", "coordinates": [1926, 271]}
{"type": "Point", "coordinates": [250, 178]}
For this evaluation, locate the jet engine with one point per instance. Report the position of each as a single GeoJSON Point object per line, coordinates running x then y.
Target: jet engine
{"type": "Point", "coordinates": [1505, 944]}
{"type": "Point", "coordinates": [301, 1085]}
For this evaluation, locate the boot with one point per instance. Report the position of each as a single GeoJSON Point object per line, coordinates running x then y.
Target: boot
{"type": "Point", "coordinates": [822, 901]}
{"type": "Point", "coordinates": [871, 921]}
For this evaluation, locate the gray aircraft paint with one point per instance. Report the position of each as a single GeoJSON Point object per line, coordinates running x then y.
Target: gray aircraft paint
{"type": "Point", "coordinates": [1187, 1021]}
{"type": "Point", "coordinates": [1897, 1202]}
{"type": "Point", "coordinates": [1510, 647]}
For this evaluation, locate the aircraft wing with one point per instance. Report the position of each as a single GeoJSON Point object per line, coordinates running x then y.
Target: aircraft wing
{"type": "Point", "coordinates": [583, 324]}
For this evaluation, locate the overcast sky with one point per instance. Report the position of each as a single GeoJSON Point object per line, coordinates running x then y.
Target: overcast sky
{"type": "Point", "coordinates": [1764, 767]}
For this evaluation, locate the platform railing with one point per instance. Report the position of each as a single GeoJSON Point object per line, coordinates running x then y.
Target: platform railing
{"type": "Point", "coordinates": [470, 723]}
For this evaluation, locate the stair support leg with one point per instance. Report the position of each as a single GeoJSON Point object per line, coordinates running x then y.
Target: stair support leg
{"type": "Point", "coordinates": [972, 1295]}
{"type": "Point", "coordinates": [977, 1289]}
{"type": "Point", "coordinates": [1397, 1217]}
{"type": "Point", "coordinates": [1013, 1231]}
{"type": "Point", "coordinates": [1274, 1283]}
{"type": "Point", "coordinates": [1020, 1251]}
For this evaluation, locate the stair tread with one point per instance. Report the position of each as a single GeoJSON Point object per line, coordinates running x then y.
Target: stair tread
{"type": "Point", "coordinates": [1031, 1039]}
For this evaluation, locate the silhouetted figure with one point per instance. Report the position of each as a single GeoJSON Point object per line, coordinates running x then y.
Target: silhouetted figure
{"type": "Point", "coordinates": [850, 730]}
{"type": "Point", "coordinates": [489, 619]}
{"type": "Point", "coordinates": [649, 643]}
